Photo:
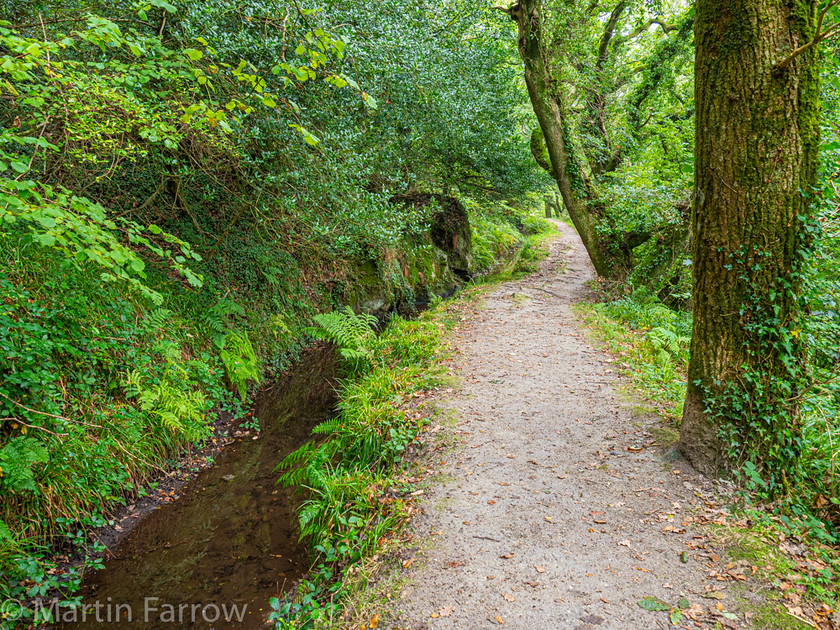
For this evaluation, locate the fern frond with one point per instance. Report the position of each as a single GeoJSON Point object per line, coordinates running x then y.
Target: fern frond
{"type": "Point", "coordinates": [328, 427]}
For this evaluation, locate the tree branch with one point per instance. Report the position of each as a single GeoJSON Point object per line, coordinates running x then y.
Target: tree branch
{"type": "Point", "coordinates": [820, 36]}
{"type": "Point", "coordinates": [609, 30]}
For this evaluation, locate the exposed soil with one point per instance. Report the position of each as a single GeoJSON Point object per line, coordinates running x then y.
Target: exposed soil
{"type": "Point", "coordinates": [561, 507]}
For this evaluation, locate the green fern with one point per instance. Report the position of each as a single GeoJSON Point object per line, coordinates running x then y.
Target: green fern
{"type": "Point", "coordinates": [667, 342]}
{"type": "Point", "coordinates": [178, 410]}
{"type": "Point", "coordinates": [240, 362]}
{"type": "Point", "coordinates": [215, 318]}
{"type": "Point", "coordinates": [351, 333]}
{"type": "Point", "coordinates": [5, 532]}
{"type": "Point", "coordinates": [328, 427]}
{"type": "Point", "coordinates": [158, 318]}
{"type": "Point", "coordinates": [16, 461]}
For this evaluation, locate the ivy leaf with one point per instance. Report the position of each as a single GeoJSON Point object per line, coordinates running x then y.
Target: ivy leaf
{"type": "Point", "coordinates": [193, 54]}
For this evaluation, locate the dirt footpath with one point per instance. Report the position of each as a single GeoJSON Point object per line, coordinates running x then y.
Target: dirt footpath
{"type": "Point", "coordinates": [556, 509]}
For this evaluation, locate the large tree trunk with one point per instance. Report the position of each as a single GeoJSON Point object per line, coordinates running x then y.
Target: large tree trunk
{"type": "Point", "coordinates": [579, 195]}
{"type": "Point", "coordinates": [755, 165]}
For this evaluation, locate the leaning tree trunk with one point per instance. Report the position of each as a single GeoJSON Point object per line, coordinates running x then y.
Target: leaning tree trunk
{"type": "Point", "coordinates": [579, 196]}
{"type": "Point", "coordinates": [755, 165]}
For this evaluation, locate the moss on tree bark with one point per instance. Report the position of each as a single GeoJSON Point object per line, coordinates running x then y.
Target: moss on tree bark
{"type": "Point", "coordinates": [755, 169]}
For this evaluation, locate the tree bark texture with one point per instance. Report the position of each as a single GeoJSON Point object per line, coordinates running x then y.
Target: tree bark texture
{"type": "Point", "coordinates": [755, 167]}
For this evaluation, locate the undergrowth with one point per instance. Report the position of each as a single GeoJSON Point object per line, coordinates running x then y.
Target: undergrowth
{"type": "Point", "coordinates": [651, 342]}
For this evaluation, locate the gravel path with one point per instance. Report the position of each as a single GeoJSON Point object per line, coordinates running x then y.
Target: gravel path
{"type": "Point", "coordinates": [555, 511]}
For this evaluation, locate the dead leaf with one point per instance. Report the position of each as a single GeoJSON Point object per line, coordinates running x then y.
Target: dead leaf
{"type": "Point", "coordinates": [539, 568]}
{"type": "Point", "coordinates": [713, 595]}
{"type": "Point", "coordinates": [695, 611]}
{"type": "Point", "coordinates": [499, 620]}
{"type": "Point", "coordinates": [509, 597]}
{"type": "Point", "coordinates": [446, 611]}
{"type": "Point", "coordinates": [624, 543]}
{"type": "Point", "coordinates": [507, 556]}
{"type": "Point", "coordinates": [373, 621]}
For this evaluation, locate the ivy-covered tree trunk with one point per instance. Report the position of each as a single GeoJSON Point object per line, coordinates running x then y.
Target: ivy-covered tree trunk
{"type": "Point", "coordinates": [579, 195]}
{"type": "Point", "coordinates": [755, 167]}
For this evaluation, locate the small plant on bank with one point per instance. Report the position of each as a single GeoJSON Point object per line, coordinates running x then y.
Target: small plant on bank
{"type": "Point", "coordinates": [351, 333]}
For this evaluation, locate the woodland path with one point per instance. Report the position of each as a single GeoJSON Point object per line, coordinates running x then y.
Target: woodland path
{"type": "Point", "coordinates": [545, 516]}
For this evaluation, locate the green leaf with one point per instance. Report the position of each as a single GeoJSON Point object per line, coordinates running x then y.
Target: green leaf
{"type": "Point", "coordinates": [47, 240]}
{"type": "Point", "coordinates": [162, 4]}
{"type": "Point", "coordinates": [676, 617]}
{"type": "Point", "coordinates": [20, 167]}
{"type": "Point", "coordinates": [268, 101]}
{"type": "Point", "coordinates": [193, 54]}
{"type": "Point", "coordinates": [653, 603]}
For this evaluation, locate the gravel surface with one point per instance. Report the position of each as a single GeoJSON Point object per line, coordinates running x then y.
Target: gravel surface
{"type": "Point", "coordinates": [556, 509]}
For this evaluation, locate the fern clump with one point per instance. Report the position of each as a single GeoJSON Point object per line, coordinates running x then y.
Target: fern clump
{"type": "Point", "coordinates": [352, 334]}
{"type": "Point", "coordinates": [17, 458]}
{"type": "Point", "coordinates": [241, 363]}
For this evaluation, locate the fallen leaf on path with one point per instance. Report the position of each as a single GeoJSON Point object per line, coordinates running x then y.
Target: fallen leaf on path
{"type": "Point", "coordinates": [373, 621]}
{"type": "Point", "coordinates": [672, 529]}
{"type": "Point", "coordinates": [624, 543]}
{"type": "Point", "coordinates": [713, 595]}
{"type": "Point", "coordinates": [654, 603]}
{"type": "Point", "coordinates": [506, 556]}
{"type": "Point", "coordinates": [695, 611]}
{"type": "Point", "coordinates": [509, 597]}
{"type": "Point", "coordinates": [447, 610]}
{"type": "Point", "coordinates": [499, 620]}
{"type": "Point", "coordinates": [539, 568]}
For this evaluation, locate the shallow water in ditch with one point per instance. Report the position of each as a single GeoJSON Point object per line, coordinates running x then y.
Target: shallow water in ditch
{"type": "Point", "coordinates": [227, 541]}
